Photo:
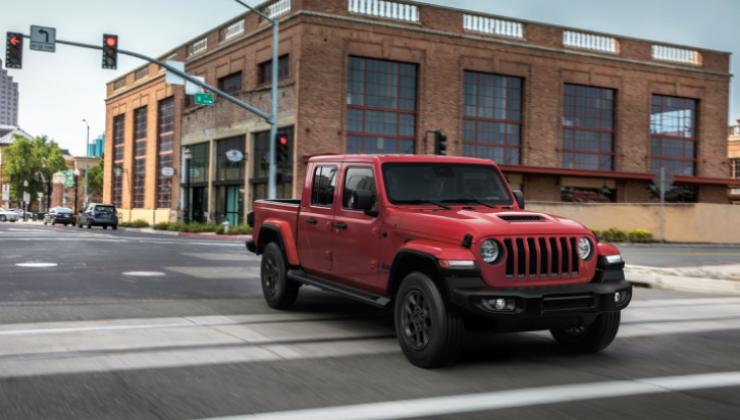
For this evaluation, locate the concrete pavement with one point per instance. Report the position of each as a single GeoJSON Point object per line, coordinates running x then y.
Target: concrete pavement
{"type": "Point", "coordinates": [84, 340]}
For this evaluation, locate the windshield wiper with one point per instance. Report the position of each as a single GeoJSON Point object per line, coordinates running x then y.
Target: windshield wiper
{"type": "Point", "coordinates": [470, 200]}
{"type": "Point", "coordinates": [436, 203]}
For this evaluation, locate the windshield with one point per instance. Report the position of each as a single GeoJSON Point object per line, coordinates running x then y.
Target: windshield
{"type": "Point", "coordinates": [409, 183]}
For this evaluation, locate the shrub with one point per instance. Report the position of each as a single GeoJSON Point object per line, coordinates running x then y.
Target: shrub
{"type": "Point", "coordinates": [640, 236]}
{"type": "Point", "coordinates": [614, 235]}
{"type": "Point", "coordinates": [162, 226]}
{"type": "Point", "coordinates": [137, 224]}
{"type": "Point", "coordinates": [236, 230]}
{"type": "Point", "coordinates": [598, 234]}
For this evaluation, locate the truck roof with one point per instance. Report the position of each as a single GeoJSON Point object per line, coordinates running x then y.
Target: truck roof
{"type": "Point", "coordinates": [400, 158]}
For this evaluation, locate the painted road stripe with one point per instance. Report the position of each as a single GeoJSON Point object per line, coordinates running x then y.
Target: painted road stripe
{"type": "Point", "coordinates": [497, 400]}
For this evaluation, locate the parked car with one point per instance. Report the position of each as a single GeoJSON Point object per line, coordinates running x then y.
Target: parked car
{"type": "Point", "coordinates": [104, 215]}
{"type": "Point", "coordinates": [8, 215]}
{"type": "Point", "coordinates": [20, 212]}
{"type": "Point", "coordinates": [60, 216]}
{"type": "Point", "coordinates": [448, 245]}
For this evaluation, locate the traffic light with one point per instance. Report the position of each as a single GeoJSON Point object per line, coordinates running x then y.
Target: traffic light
{"type": "Point", "coordinates": [14, 51]}
{"type": "Point", "coordinates": [110, 52]}
{"type": "Point", "coordinates": [440, 143]}
{"type": "Point", "coordinates": [283, 149]}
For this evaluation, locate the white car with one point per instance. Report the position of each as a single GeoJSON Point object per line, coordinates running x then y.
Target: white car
{"type": "Point", "coordinates": [8, 216]}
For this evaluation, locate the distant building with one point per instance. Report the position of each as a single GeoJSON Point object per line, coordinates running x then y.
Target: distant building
{"type": "Point", "coordinates": [97, 147]}
{"type": "Point", "coordinates": [8, 98]}
{"type": "Point", "coordinates": [734, 155]}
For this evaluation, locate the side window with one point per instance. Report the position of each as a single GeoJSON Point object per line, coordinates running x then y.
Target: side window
{"type": "Point", "coordinates": [357, 179]}
{"type": "Point", "coordinates": [324, 182]}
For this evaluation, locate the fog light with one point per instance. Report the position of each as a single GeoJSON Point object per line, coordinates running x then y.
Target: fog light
{"type": "Point", "coordinates": [500, 304]}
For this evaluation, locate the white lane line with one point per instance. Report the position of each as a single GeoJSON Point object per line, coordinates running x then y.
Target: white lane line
{"type": "Point", "coordinates": [144, 274]}
{"type": "Point", "coordinates": [497, 400]}
{"type": "Point", "coordinates": [36, 265]}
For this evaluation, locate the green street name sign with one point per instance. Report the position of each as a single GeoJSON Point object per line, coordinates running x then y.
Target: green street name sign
{"type": "Point", "coordinates": [204, 99]}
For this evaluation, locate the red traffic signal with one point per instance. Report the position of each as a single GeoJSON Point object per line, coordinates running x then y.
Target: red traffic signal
{"type": "Point", "coordinates": [14, 50]}
{"type": "Point", "coordinates": [283, 141]}
{"type": "Point", "coordinates": [110, 52]}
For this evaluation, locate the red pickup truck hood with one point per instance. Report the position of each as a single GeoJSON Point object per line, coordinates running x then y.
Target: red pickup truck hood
{"type": "Point", "coordinates": [453, 225]}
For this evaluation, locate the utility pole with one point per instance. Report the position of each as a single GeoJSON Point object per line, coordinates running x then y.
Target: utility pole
{"type": "Point", "coordinates": [87, 158]}
{"type": "Point", "coordinates": [272, 172]}
{"type": "Point", "coordinates": [662, 186]}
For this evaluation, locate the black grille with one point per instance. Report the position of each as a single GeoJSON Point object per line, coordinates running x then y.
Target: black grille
{"type": "Point", "coordinates": [536, 257]}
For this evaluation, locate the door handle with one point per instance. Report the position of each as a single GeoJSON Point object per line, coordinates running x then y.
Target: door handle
{"type": "Point", "coordinates": [341, 226]}
{"type": "Point", "coordinates": [312, 221]}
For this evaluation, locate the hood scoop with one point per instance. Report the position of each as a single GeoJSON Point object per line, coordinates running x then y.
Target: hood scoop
{"type": "Point", "coordinates": [518, 218]}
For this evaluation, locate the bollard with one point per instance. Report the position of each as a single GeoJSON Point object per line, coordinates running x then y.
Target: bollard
{"type": "Point", "coordinates": [226, 227]}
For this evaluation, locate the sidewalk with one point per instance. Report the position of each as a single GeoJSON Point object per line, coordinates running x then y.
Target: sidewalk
{"type": "Point", "coordinates": [720, 279]}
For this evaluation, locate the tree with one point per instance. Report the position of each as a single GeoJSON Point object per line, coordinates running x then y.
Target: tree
{"type": "Point", "coordinates": [31, 162]}
{"type": "Point", "coordinates": [95, 178]}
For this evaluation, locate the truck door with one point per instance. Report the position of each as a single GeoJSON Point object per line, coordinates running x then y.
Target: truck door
{"type": "Point", "coordinates": [357, 235]}
{"type": "Point", "coordinates": [315, 222]}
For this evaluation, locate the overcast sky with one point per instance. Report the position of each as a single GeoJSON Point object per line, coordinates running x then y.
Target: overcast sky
{"type": "Point", "coordinates": [58, 90]}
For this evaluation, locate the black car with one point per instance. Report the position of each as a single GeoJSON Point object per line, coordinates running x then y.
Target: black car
{"type": "Point", "coordinates": [104, 215]}
{"type": "Point", "coordinates": [59, 216]}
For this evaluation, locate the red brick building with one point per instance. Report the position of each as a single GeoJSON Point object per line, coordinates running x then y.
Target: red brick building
{"type": "Point", "coordinates": [570, 114]}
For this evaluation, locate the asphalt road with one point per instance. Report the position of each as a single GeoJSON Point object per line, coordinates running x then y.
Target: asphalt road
{"type": "Point", "coordinates": [188, 336]}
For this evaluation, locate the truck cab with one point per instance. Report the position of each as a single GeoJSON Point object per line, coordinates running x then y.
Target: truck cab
{"type": "Point", "coordinates": [447, 244]}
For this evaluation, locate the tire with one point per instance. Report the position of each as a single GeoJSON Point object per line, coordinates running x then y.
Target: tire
{"type": "Point", "coordinates": [279, 291]}
{"type": "Point", "coordinates": [429, 330]}
{"type": "Point", "coordinates": [89, 225]}
{"type": "Point", "coordinates": [3, 219]}
{"type": "Point", "coordinates": [105, 227]}
{"type": "Point", "coordinates": [592, 338]}
{"type": "Point", "coordinates": [115, 227]}
{"type": "Point", "coordinates": [79, 225]}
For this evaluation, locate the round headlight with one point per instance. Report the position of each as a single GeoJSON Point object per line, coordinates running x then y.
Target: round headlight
{"type": "Point", "coordinates": [490, 251]}
{"type": "Point", "coordinates": [585, 249]}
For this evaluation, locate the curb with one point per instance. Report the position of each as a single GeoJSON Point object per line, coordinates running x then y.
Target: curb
{"type": "Point", "coordinates": [640, 277]}
{"type": "Point", "coordinates": [208, 235]}
{"type": "Point", "coordinates": [214, 237]}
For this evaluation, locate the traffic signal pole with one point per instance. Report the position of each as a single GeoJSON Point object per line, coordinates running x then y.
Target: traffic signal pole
{"type": "Point", "coordinates": [272, 171]}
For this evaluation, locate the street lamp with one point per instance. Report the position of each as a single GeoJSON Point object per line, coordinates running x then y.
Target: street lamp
{"type": "Point", "coordinates": [87, 157]}
{"type": "Point", "coordinates": [272, 174]}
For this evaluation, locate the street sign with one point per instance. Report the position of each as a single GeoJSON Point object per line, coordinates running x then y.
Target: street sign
{"type": "Point", "coordinates": [168, 171]}
{"type": "Point", "coordinates": [192, 88]}
{"type": "Point", "coordinates": [26, 197]}
{"type": "Point", "coordinates": [204, 99]}
{"type": "Point", "coordinates": [234, 155]}
{"type": "Point", "coordinates": [6, 192]}
{"type": "Point", "coordinates": [171, 78]}
{"type": "Point", "coordinates": [70, 181]}
{"type": "Point", "coordinates": [43, 38]}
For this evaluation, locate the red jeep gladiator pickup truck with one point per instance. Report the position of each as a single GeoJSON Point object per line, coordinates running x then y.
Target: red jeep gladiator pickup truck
{"type": "Point", "coordinates": [448, 244]}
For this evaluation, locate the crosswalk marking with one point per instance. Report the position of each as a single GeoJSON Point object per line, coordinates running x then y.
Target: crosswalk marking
{"type": "Point", "coordinates": [109, 345]}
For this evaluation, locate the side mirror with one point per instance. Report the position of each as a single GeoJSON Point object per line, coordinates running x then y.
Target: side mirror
{"type": "Point", "coordinates": [519, 199]}
{"type": "Point", "coordinates": [364, 200]}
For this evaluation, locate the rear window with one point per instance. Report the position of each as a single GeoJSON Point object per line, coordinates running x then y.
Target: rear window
{"type": "Point", "coordinates": [105, 209]}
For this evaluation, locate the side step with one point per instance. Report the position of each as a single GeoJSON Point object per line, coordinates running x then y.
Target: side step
{"type": "Point", "coordinates": [349, 292]}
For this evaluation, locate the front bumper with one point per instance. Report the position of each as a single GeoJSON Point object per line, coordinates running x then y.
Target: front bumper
{"type": "Point", "coordinates": [547, 307]}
